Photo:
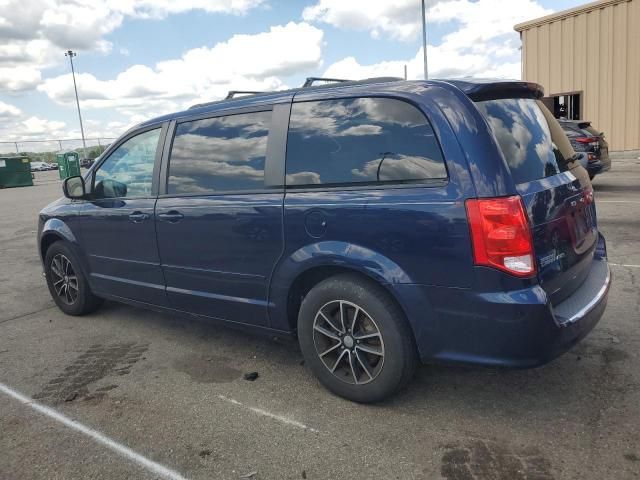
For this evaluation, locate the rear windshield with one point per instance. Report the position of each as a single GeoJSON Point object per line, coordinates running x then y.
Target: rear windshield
{"type": "Point", "coordinates": [523, 134]}
{"type": "Point", "coordinates": [579, 130]}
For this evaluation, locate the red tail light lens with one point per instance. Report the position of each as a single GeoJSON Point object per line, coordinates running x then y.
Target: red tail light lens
{"type": "Point", "coordinates": [500, 235]}
{"type": "Point", "coordinates": [586, 139]}
{"type": "Point", "coordinates": [588, 196]}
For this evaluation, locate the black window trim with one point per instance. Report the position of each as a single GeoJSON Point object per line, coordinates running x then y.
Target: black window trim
{"type": "Point", "coordinates": [383, 185]}
{"type": "Point", "coordinates": [272, 159]}
{"type": "Point", "coordinates": [163, 127]}
{"type": "Point", "coordinates": [386, 185]}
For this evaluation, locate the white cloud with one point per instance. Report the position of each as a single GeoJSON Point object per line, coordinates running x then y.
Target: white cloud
{"type": "Point", "coordinates": [34, 33]}
{"type": "Point", "coordinates": [34, 126]}
{"type": "Point", "coordinates": [483, 45]}
{"type": "Point", "coordinates": [483, 21]}
{"type": "Point", "coordinates": [16, 125]}
{"type": "Point", "coordinates": [482, 42]}
{"type": "Point", "coordinates": [162, 8]}
{"type": "Point", "coordinates": [8, 111]}
{"type": "Point", "coordinates": [442, 64]}
{"type": "Point", "coordinates": [399, 19]}
{"type": "Point", "coordinates": [30, 131]}
{"type": "Point", "coordinates": [19, 78]}
{"type": "Point", "coordinates": [251, 62]}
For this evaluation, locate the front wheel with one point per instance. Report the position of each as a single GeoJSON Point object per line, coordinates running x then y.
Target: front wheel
{"type": "Point", "coordinates": [355, 339]}
{"type": "Point", "coordinates": [67, 284]}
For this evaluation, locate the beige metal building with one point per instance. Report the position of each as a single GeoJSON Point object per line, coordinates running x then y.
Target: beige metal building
{"type": "Point", "coordinates": [588, 60]}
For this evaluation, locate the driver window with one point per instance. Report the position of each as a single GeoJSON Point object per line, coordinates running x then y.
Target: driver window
{"type": "Point", "coordinates": [128, 172]}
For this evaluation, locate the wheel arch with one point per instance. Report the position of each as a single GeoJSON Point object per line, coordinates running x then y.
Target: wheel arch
{"type": "Point", "coordinates": [300, 271]}
{"type": "Point", "coordinates": [55, 230]}
{"type": "Point", "coordinates": [46, 241]}
{"type": "Point", "coordinates": [304, 282]}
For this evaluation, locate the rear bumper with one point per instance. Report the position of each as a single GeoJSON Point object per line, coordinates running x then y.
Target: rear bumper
{"type": "Point", "coordinates": [599, 166]}
{"type": "Point", "coordinates": [511, 329]}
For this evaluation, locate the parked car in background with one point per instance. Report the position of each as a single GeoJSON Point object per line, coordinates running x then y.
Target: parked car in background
{"type": "Point", "coordinates": [40, 166]}
{"type": "Point", "coordinates": [53, 166]}
{"type": "Point", "coordinates": [585, 138]}
{"type": "Point", "coordinates": [382, 222]}
{"type": "Point", "coordinates": [87, 162]}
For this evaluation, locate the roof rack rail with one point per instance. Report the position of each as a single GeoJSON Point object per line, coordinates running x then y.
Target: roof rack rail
{"type": "Point", "coordinates": [310, 81]}
{"type": "Point", "coordinates": [329, 83]}
{"type": "Point", "coordinates": [233, 93]}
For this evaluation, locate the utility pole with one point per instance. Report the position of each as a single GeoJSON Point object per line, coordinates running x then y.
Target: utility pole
{"type": "Point", "coordinates": [72, 54]}
{"type": "Point", "coordinates": [424, 40]}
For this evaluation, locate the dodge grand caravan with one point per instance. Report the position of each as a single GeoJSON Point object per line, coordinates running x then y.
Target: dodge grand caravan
{"type": "Point", "coordinates": [382, 222]}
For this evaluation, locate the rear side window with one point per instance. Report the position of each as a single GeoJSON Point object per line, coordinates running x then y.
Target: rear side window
{"type": "Point", "coordinates": [219, 154]}
{"type": "Point", "coordinates": [361, 140]}
{"type": "Point", "coordinates": [523, 135]}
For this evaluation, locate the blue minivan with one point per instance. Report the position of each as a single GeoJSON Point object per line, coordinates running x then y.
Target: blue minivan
{"type": "Point", "coordinates": [383, 222]}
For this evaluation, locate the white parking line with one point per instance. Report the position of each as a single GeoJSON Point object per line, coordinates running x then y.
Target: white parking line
{"type": "Point", "coordinates": [259, 411]}
{"type": "Point", "coordinates": [624, 265]}
{"type": "Point", "coordinates": [150, 465]}
{"type": "Point", "coordinates": [616, 201]}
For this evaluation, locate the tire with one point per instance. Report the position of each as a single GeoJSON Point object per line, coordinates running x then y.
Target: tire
{"type": "Point", "coordinates": [67, 284]}
{"type": "Point", "coordinates": [373, 364]}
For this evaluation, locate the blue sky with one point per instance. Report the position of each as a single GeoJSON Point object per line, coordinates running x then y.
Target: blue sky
{"type": "Point", "coordinates": [148, 57]}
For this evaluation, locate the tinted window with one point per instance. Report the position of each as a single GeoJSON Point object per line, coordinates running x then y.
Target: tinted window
{"type": "Point", "coordinates": [579, 130]}
{"type": "Point", "coordinates": [523, 135]}
{"type": "Point", "coordinates": [359, 140]}
{"type": "Point", "coordinates": [128, 171]}
{"type": "Point", "coordinates": [570, 129]}
{"type": "Point", "coordinates": [219, 154]}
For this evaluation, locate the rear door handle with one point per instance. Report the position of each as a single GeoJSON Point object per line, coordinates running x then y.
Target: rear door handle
{"type": "Point", "coordinates": [171, 216]}
{"type": "Point", "coordinates": [138, 217]}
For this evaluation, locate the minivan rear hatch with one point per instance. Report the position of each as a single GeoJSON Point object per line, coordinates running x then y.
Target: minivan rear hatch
{"type": "Point", "coordinates": [555, 190]}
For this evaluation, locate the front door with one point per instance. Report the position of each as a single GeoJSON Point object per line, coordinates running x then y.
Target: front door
{"type": "Point", "coordinates": [219, 228]}
{"type": "Point", "coordinates": [118, 228]}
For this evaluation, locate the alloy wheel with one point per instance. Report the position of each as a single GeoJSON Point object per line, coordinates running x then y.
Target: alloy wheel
{"type": "Point", "coordinates": [64, 279]}
{"type": "Point", "coordinates": [348, 342]}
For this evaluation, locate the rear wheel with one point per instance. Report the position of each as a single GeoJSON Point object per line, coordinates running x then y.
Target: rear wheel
{"type": "Point", "coordinates": [67, 284]}
{"type": "Point", "coordinates": [355, 339]}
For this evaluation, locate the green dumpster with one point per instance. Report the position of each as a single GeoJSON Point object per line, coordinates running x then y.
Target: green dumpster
{"type": "Point", "coordinates": [15, 172]}
{"type": "Point", "coordinates": [68, 164]}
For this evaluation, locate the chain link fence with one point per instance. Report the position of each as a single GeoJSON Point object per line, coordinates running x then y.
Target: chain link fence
{"type": "Point", "coordinates": [45, 150]}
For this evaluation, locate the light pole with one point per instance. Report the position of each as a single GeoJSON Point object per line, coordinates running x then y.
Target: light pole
{"type": "Point", "coordinates": [72, 54]}
{"type": "Point", "coordinates": [424, 40]}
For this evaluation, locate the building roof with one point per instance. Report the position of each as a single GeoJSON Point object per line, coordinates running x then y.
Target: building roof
{"type": "Point", "coordinates": [588, 7]}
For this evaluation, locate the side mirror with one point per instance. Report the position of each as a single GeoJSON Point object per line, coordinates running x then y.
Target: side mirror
{"type": "Point", "coordinates": [73, 187]}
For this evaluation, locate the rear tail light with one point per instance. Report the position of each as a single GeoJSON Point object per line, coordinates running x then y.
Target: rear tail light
{"type": "Point", "coordinates": [592, 157]}
{"type": "Point", "coordinates": [588, 195]}
{"type": "Point", "coordinates": [500, 235]}
{"type": "Point", "coordinates": [586, 140]}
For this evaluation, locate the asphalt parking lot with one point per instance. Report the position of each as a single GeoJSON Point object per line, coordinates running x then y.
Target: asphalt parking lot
{"type": "Point", "coordinates": [124, 393]}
